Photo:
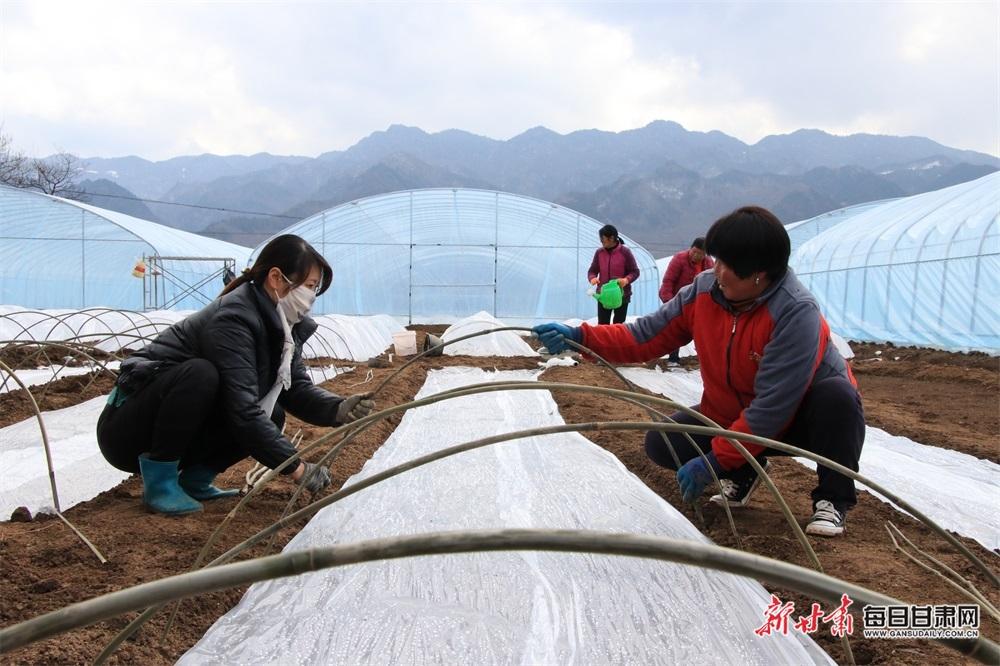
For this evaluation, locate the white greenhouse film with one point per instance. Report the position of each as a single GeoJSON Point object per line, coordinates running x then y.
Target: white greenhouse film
{"type": "Point", "coordinates": [56, 253]}
{"type": "Point", "coordinates": [437, 255]}
{"type": "Point", "coordinates": [922, 270]}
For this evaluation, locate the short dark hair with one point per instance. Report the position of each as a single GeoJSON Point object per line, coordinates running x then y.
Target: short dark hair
{"type": "Point", "coordinates": [609, 231]}
{"type": "Point", "coordinates": [749, 240]}
{"type": "Point", "coordinates": [293, 256]}
{"type": "Point", "coordinates": [699, 242]}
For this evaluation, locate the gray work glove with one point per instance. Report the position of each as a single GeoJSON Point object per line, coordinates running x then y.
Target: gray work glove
{"type": "Point", "coordinates": [355, 407]}
{"type": "Point", "coordinates": [314, 478]}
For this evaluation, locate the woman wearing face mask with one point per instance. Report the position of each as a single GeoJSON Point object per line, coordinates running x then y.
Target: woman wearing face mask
{"type": "Point", "coordinates": [212, 389]}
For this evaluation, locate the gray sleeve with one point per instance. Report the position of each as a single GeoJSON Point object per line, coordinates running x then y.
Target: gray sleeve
{"type": "Point", "coordinates": [787, 367]}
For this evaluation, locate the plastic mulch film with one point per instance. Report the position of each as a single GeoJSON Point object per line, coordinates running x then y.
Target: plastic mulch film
{"type": "Point", "coordinates": [954, 489]}
{"type": "Point", "coordinates": [356, 338]}
{"type": "Point", "coordinates": [507, 343]}
{"type": "Point", "coordinates": [501, 607]}
{"type": "Point", "coordinates": [45, 374]}
{"type": "Point", "coordinates": [81, 471]}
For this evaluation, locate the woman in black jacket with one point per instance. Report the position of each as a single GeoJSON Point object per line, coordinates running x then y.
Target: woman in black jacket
{"type": "Point", "coordinates": [212, 389]}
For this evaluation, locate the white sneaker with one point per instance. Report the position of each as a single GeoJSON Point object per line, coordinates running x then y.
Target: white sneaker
{"type": "Point", "coordinates": [827, 521]}
{"type": "Point", "coordinates": [738, 494]}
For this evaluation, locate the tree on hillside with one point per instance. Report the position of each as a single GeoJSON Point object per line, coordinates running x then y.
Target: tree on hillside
{"type": "Point", "coordinates": [55, 175]}
{"type": "Point", "coordinates": [12, 164]}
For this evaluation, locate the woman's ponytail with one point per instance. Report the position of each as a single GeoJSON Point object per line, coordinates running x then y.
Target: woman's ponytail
{"type": "Point", "coordinates": [290, 254]}
{"type": "Point", "coordinates": [245, 276]}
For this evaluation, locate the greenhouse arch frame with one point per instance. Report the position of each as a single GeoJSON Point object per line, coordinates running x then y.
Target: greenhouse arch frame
{"type": "Point", "coordinates": [435, 255]}
{"type": "Point", "coordinates": [57, 253]}
{"type": "Point", "coordinates": [919, 270]}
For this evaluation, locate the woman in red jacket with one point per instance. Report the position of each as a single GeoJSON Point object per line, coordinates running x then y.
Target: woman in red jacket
{"type": "Point", "coordinates": [768, 367]}
{"type": "Point", "coordinates": [613, 261]}
{"type": "Point", "coordinates": [681, 271]}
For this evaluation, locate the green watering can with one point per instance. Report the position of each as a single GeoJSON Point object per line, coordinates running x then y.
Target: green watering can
{"type": "Point", "coordinates": [610, 295]}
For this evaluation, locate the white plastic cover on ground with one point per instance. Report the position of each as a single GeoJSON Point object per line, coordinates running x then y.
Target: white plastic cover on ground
{"type": "Point", "coordinates": [956, 490]}
{"type": "Point", "coordinates": [501, 607]}
{"type": "Point", "coordinates": [683, 386]}
{"type": "Point", "coordinates": [40, 376]}
{"type": "Point", "coordinates": [842, 345]}
{"type": "Point", "coordinates": [352, 337]}
{"type": "Point", "coordinates": [555, 361]}
{"type": "Point", "coordinates": [320, 374]}
{"type": "Point", "coordinates": [338, 336]}
{"type": "Point", "coordinates": [81, 471]}
{"type": "Point", "coordinates": [505, 343]}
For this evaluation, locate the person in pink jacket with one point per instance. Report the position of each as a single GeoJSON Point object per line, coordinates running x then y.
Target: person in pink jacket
{"type": "Point", "coordinates": [613, 261]}
{"type": "Point", "coordinates": [681, 271]}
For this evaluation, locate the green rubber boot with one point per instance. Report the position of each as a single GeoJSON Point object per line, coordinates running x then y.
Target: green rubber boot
{"type": "Point", "coordinates": [197, 482]}
{"type": "Point", "coordinates": [160, 490]}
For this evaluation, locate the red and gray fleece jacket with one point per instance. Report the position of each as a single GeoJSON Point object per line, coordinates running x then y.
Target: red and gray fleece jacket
{"type": "Point", "coordinates": [756, 365]}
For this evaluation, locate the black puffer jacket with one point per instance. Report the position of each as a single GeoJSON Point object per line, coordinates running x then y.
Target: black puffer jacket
{"type": "Point", "coordinates": [241, 334]}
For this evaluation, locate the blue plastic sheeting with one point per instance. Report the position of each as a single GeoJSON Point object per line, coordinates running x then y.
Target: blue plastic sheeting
{"type": "Point", "coordinates": [435, 255]}
{"type": "Point", "coordinates": [56, 253]}
{"type": "Point", "coordinates": [922, 270]}
{"type": "Point", "coordinates": [800, 232]}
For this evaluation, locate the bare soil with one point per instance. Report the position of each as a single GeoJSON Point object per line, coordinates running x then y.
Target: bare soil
{"type": "Point", "coordinates": [27, 356]}
{"type": "Point", "coordinates": [932, 397]}
{"type": "Point", "coordinates": [43, 566]}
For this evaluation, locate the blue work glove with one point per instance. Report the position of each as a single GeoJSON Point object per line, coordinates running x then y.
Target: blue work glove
{"type": "Point", "coordinates": [554, 335]}
{"type": "Point", "coordinates": [694, 476]}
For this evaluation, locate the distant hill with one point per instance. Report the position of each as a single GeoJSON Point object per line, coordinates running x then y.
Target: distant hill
{"type": "Point", "coordinates": [668, 208]}
{"type": "Point", "coordinates": [933, 173]}
{"type": "Point", "coordinates": [105, 194]}
{"type": "Point", "coordinates": [807, 149]}
{"type": "Point", "coordinates": [152, 180]}
{"type": "Point", "coordinates": [398, 171]}
{"type": "Point", "coordinates": [661, 178]}
{"type": "Point", "coordinates": [395, 172]}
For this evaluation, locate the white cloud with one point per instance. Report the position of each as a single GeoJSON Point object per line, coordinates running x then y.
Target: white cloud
{"type": "Point", "coordinates": [131, 67]}
{"type": "Point", "coordinates": [165, 79]}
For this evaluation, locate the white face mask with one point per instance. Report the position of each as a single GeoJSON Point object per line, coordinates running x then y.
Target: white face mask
{"type": "Point", "coordinates": [297, 303]}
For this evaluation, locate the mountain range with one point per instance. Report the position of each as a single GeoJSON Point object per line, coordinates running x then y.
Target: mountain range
{"type": "Point", "coordinates": [660, 184]}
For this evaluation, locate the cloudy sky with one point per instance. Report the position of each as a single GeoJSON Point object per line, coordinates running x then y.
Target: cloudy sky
{"type": "Point", "coordinates": [164, 79]}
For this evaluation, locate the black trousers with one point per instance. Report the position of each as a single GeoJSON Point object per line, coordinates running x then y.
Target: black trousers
{"type": "Point", "coordinates": [175, 416]}
{"type": "Point", "coordinates": [604, 314]}
{"type": "Point", "coordinates": [830, 422]}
